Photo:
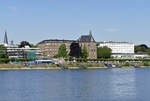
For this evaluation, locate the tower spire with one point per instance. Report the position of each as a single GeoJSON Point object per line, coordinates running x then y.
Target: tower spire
{"type": "Point", "coordinates": [90, 32]}
{"type": "Point", "coordinates": [5, 39]}
{"type": "Point", "coordinates": [91, 36]}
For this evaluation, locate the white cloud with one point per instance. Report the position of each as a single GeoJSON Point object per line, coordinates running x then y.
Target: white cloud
{"type": "Point", "coordinates": [112, 30]}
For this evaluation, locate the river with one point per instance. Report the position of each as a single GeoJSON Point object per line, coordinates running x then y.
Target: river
{"type": "Point", "coordinates": [75, 85]}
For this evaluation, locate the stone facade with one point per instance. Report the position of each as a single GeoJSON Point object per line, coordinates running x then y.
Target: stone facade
{"type": "Point", "coordinates": [92, 49]}
{"type": "Point", "coordinates": [50, 48]}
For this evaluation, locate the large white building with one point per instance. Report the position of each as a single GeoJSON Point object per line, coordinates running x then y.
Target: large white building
{"type": "Point", "coordinates": [119, 49]}
{"type": "Point", "coordinates": [26, 52]}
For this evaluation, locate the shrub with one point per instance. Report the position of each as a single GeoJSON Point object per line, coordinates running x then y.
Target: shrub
{"type": "Point", "coordinates": [126, 64]}
{"type": "Point", "coordinates": [146, 64]}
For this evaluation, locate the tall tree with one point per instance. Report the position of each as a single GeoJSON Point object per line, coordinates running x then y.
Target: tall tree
{"type": "Point", "coordinates": [24, 43]}
{"type": "Point", "coordinates": [62, 52]}
{"type": "Point", "coordinates": [84, 52]}
{"type": "Point", "coordinates": [104, 52]}
{"type": "Point", "coordinates": [75, 50]}
{"type": "Point", "coordinates": [3, 52]}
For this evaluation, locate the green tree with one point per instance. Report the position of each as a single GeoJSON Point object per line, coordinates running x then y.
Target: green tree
{"type": "Point", "coordinates": [148, 51]}
{"type": "Point", "coordinates": [62, 52]}
{"type": "Point", "coordinates": [142, 49]}
{"type": "Point", "coordinates": [33, 46]}
{"type": "Point", "coordinates": [104, 52]}
{"type": "Point", "coordinates": [3, 52]}
{"type": "Point", "coordinates": [84, 53]}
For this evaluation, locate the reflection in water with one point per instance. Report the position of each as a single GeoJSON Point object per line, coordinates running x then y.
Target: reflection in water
{"type": "Point", "coordinates": [78, 86]}
{"type": "Point", "coordinates": [123, 84]}
{"type": "Point", "coordinates": [75, 85]}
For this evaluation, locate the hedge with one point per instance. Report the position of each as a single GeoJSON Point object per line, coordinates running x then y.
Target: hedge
{"type": "Point", "coordinates": [6, 60]}
{"type": "Point", "coordinates": [110, 59]}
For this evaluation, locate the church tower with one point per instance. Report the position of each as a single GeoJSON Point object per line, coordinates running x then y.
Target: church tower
{"type": "Point", "coordinates": [5, 39]}
{"type": "Point", "coordinates": [91, 36]}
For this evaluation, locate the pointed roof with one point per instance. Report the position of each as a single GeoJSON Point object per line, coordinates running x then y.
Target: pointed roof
{"type": "Point", "coordinates": [87, 38]}
{"type": "Point", "coordinates": [5, 38]}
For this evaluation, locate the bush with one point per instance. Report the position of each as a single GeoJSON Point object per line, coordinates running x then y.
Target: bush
{"type": "Point", "coordinates": [109, 59]}
{"type": "Point", "coordinates": [126, 64]}
{"type": "Point", "coordinates": [4, 60]}
{"type": "Point", "coordinates": [146, 64]}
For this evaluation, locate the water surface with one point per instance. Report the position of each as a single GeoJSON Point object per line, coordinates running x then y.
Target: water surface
{"type": "Point", "coordinates": [75, 85]}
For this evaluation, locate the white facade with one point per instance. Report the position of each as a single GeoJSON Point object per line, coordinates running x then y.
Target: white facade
{"type": "Point", "coordinates": [15, 52]}
{"type": "Point", "coordinates": [119, 47]}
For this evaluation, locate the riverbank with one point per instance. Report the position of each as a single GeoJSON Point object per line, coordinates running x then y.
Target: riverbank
{"type": "Point", "coordinates": [40, 67]}
{"type": "Point", "coordinates": [54, 67]}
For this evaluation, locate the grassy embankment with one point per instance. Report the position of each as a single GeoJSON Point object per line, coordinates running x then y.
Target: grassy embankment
{"type": "Point", "coordinates": [82, 64]}
{"type": "Point", "coordinates": [69, 66]}
{"type": "Point", "coordinates": [22, 67]}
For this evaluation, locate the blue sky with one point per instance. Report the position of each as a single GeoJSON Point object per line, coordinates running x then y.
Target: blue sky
{"type": "Point", "coordinates": [36, 20]}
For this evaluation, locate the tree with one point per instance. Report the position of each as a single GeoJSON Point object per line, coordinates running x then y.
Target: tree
{"type": "Point", "coordinates": [75, 50]}
{"type": "Point", "coordinates": [104, 52]}
{"type": "Point", "coordinates": [84, 52]}
{"type": "Point", "coordinates": [3, 52]}
{"type": "Point", "coordinates": [62, 52]}
{"type": "Point", "coordinates": [33, 46]}
{"type": "Point", "coordinates": [142, 49]}
{"type": "Point", "coordinates": [24, 43]}
{"type": "Point", "coordinates": [148, 52]}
